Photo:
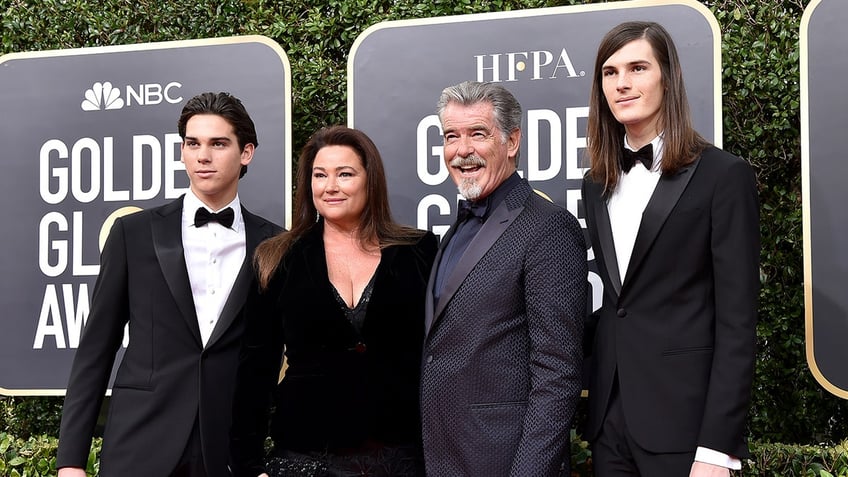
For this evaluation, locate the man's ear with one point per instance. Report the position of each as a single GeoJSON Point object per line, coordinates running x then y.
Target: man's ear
{"type": "Point", "coordinates": [512, 142]}
{"type": "Point", "coordinates": [247, 154]}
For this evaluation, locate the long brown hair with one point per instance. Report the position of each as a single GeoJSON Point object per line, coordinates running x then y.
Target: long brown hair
{"type": "Point", "coordinates": [605, 135]}
{"type": "Point", "coordinates": [376, 220]}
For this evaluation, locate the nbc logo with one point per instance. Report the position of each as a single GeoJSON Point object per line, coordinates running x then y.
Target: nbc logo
{"type": "Point", "coordinates": [103, 95]}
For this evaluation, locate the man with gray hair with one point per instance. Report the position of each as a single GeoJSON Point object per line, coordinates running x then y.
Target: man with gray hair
{"type": "Point", "coordinates": [501, 371]}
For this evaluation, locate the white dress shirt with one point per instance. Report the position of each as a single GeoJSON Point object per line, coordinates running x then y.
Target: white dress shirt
{"type": "Point", "coordinates": [626, 206]}
{"type": "Point", "coordinates": [628, 201]}
{"type": "Point", "coordinates": [214, 255]}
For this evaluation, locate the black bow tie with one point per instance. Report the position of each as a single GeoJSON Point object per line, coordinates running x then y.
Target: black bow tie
{"type": "Point", "coordinates": [645, 155]}
{"type": "Point", "coordinates": [468, 209]}
{"type": "Point", "coordinates": [224, 217]}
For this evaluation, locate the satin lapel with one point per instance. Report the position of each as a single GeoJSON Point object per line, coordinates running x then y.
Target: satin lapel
{"type": "Point", "coordinates": [255, 230]}
{"type": "Point", "coordinates": [168, 244]}
{"type": "Point", "coordinates": [663, 200]}
{"type": "Point", "coordinates": [429, 304]}
{"type": "Point", "coordinates": [604, 230]}
{"type": "Point", "coordinates": [428, 297]}
{"type": "Point", "coordinates": [494, 227]}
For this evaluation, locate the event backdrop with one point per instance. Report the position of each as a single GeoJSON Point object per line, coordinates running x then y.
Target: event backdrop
{"type": "Point", "coordinates": [91, 134]}
{"type": "Point", "coordinates": [824, 114]}
{"type": "Point", "coordinates": [545, 57]}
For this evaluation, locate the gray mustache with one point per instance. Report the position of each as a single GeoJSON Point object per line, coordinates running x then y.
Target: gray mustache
{"type": "Point", "coordinates": [468, 161]}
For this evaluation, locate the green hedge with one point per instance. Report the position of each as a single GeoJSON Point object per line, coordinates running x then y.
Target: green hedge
{"type": "Point", "coordinates": [761, 105]}
{"type": "Point", "coordinates": [761, 123]}
{"type": "Point", "coordinates": [781, 460]}
{"type": "Point", "coordinates": [36, 457]}
{"type": "Point", "coordinates": [30, 416]}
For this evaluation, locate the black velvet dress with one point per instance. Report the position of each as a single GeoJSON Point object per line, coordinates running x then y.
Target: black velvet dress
{"type": "Point", "coordinates": [349, 401]}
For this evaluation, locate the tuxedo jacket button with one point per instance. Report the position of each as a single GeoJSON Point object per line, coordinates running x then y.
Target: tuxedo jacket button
{"type": "Point", "coordinates": [621, 312]}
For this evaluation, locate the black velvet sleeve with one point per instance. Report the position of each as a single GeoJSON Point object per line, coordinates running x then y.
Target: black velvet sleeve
{"type": "Point", "coordinates": [260, 361]}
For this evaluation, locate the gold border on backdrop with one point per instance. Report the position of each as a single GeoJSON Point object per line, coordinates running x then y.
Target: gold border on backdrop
{"type": "Point", "coordinates": [535, 12]}
{"type": "Point", "coordinates": [166, 45]}
{"type": "Point", "coordinates": [805, 205]}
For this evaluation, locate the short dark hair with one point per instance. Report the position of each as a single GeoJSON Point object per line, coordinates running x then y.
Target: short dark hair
{"type": "Point", "coordinates": [228, 107]}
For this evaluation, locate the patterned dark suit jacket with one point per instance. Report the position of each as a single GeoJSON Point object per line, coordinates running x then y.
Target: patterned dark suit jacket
{"type": "Point", "coordinates": [502, 358]}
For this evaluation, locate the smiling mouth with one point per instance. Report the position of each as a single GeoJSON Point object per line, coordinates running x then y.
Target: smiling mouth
{"type": "Point", "coordinates": [470, 169]}
{"type": "Point", "coordinates": [468, 165]}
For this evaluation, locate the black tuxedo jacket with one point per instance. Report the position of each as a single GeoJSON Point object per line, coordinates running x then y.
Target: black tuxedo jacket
{"type": "Point", "coordinates": [679, 328]}
{"type": "Point", "coordinates": [501, 375]}
{"type": "Point", "coordinates": [167, 378]}
{"type": "Point", "coordinates": [342, 389]}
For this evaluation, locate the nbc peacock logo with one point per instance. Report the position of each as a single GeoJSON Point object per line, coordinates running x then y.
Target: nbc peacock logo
{"type": "Point", "coordinates": [102, 96]}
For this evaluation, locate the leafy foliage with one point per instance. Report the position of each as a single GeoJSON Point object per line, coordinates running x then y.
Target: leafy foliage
{"type": "Point", "coordinates": [36, 456]}
{"type": "Point", "coordinates": [30, 416]}
{"type": "Point", "coordinates": [761, 104]}
{"type": "Point", "coordinates": [780, 460]}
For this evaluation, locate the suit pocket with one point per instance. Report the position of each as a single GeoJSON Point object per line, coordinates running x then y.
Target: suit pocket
{"type": "Point", "coordinates": [689, 220]}
{"type": "Point", "coordinates": [498, 423]}
{"type": "Point", "coordinates": [493, 433]}
{"type": "Point", "coordinates": [132, 386]}
{"type": "Point", "coordinates": [130, 409]}
{"type": "Point", "coordinates": [499, 405]}
{"type": "Point", "coordinates": [685, 351]}
{"type": "Point", "coordinates": [690, 209]}
{"type": "Point", "coordinates": [133, 377]}
{"type": "Point", "coordinates": [689, 372]}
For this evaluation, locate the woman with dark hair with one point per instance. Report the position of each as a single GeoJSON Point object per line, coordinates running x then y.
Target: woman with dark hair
{"type": "Point", "coordinates": [343, 294]}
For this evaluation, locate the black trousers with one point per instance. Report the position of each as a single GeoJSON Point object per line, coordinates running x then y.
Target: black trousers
{"type": "Point", "coordinates": [191, 462]}
{"type": "Point", "coordinates": [616, 454]}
